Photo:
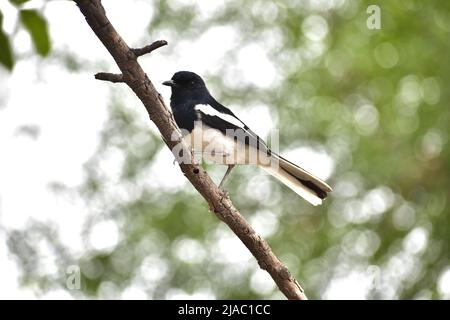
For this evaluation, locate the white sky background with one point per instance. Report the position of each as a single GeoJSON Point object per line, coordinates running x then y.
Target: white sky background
{"type": "Point", "coordinates": [70, 109]}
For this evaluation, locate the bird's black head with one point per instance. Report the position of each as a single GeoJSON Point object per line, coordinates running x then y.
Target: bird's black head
{"type": "Point", "coordinates": [187, 86]}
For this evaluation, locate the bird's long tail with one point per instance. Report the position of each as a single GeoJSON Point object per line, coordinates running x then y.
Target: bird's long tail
{"type": "Point", "coordinates": [309, 187]}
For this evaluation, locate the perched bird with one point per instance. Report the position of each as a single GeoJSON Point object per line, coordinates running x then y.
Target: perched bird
{"type": "Point", "coordinates": [216, 133]}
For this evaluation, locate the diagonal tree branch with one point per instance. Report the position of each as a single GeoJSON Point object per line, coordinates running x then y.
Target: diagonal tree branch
{"type": "Point", "coordinates": [219, 203]}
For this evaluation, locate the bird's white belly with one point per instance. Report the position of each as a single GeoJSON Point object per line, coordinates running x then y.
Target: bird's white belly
{"type": "Point", "coordinates": [211, 145]}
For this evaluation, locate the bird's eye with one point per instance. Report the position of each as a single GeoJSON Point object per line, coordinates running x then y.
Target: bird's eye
{"type": "Point", "coordinates": [192, 82]}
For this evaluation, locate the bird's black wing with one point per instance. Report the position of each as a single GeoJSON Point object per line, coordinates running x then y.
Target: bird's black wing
{"type": "Point", "coordinates": [218, 117]}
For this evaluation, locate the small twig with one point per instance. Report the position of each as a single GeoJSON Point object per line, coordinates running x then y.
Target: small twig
{"type": "Point", "coordinates": [112, 77]}
{"type": "Point", "coordinates": [151, 47]}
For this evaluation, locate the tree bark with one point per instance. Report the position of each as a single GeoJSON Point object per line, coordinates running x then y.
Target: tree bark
{"type": "Point", "coordinates": [219, 203]}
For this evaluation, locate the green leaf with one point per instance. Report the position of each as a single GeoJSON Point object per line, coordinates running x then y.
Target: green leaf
{"type": "Point", "coordinates": [6, 56]}
{"type": "Point", "coordinates": [18, 2]}
{"type": "Point", "coordinates": [37, 28]}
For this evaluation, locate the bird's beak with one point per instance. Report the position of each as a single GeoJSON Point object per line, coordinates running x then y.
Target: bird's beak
{"type": "Point", "coordinates": [169, 83]}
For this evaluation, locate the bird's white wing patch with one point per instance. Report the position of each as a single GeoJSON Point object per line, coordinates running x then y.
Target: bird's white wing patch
{"type": "Point", "coordinates": [207, 109]}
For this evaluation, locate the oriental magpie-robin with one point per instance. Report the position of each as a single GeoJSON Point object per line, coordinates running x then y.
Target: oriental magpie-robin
{"type": "Point", "coordinates": [220, 136]}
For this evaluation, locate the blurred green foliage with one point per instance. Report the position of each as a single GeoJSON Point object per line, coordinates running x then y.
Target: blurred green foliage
{"type": "Point", "coordinates": [18, 2]}
{"type": "Point", "coordinates": [6, 57]}
{"type": "Point", "coordinates": [373, 100]}
{"type": "Point", "coordinates": [36, 26]}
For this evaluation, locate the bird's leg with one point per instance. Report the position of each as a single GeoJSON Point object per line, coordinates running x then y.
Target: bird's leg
{"type": "Point", "coordinates": [230, 167]}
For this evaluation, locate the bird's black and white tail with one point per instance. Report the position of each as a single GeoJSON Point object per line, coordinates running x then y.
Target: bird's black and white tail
{"type": "Point", "coordinates": [309, 187]}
